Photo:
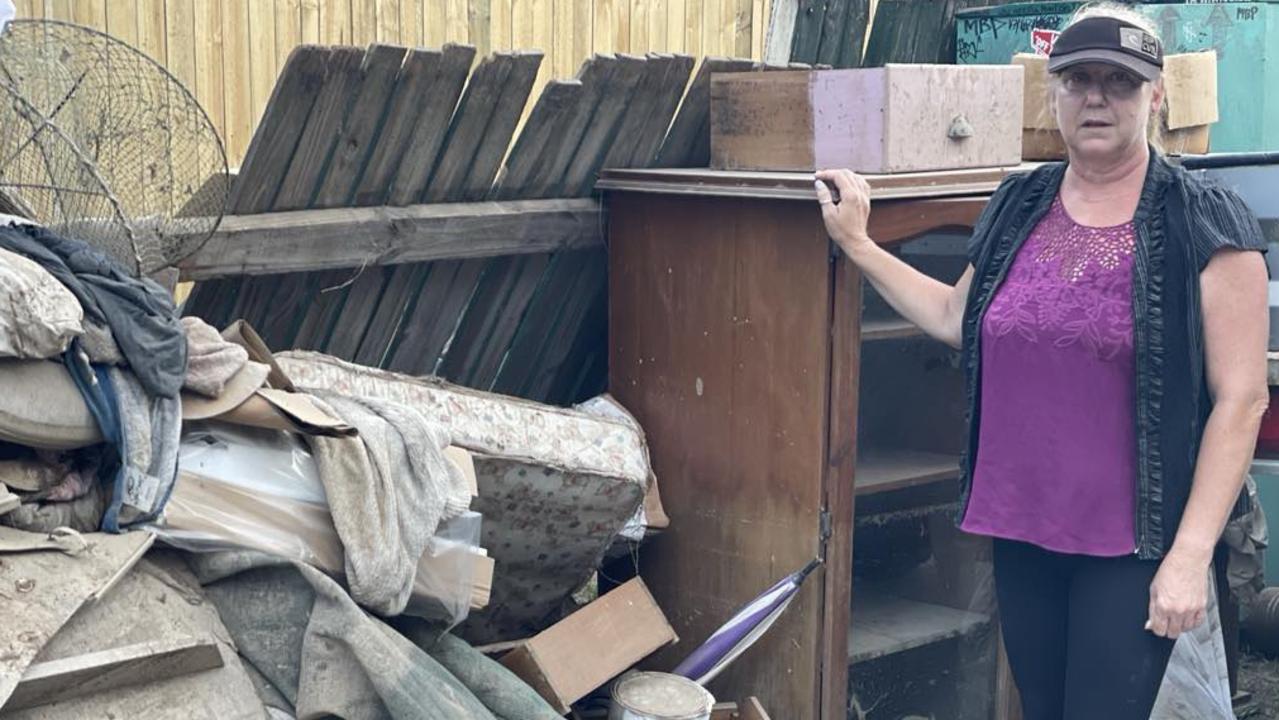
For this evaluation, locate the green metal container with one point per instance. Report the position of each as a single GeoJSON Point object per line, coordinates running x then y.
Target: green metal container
{"type": "Point", "coordinates": [1266, 474]}
{"type": "Point", "coordinates": [1244, 34]}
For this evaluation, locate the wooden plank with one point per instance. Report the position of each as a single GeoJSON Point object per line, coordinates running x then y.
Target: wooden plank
{"type": "Point", "coordinates": [501, 125]}
{"type": "Point", "coordinates": [884, 625]}
{"type": "Point", "coordinates": [467, 129]}
{"type": "Point", "coordinates": [58, 680]}
{"type": "Point", "coordinates": [913, 32]}
{"type": "Point", "coordinates": [91, 13]}
{"type": "Point", "coordinates": [692, 29]}
{"type": "Point", "coordinates": [839, 481]}
{"type": "Point", "coordinates": [458, 26]}
{"type": "Point", "coordinates": [209, 88]}
{"type": "Point", "coordinates": [361, 126]}
{"type": "Point", "coordinates": [515, 375]}
{"type": "Point", "coordinates": [388, 22]}
{"type": "Point", "coordinates": [885, 470]}
{"type": "Point", "coordinates": [748, 14]}
{"type": "Point", "coordinates": [310, 21]}
{"type": "Point", "coordinates": [360, 303]}
{"type": "Point", "coordinates": [491, 319]}
{"type": "Point", "coordinates": [354, 237]}
{"type": "Point", "coordinates": [411, 85]}
{"type": "Point", "coordinates": [670, 91]}
{"type": "Point", "coordinates": [548, 179]}
{"type": "Point", "coordinates": [955, 185]}
{"type": "Point", "coordinates": [780, 38]}
{"type": "Point", "coordinates": [586, 293]}
{"type": "Point", "coordinates": [328, 291]}
{"type": "Point", "coordinates": [603, 39]}
{"type": "Point", "coordinates": [435, 25]}
{"type": "Point", "coordinates": [411, 15]}
{"type": "Point", "coordinates": [601, 132]}
{"type": "Point", "coordinates": [398, 297]}
{"type": "Point", "coordinates": [424, 335]}
{"type": "Point", "coordinates": [267, 160]}
{"type": "Point", "coordinates": [752, 709]}
{"type": "Point", "coordinates": [640, 110]}
{"type": "Point", "coordinates": [808, 31]}
{"type": "Point", "coordinates": [743, 367]}
{"type": "Point", "coordinates": [180, 47]}
{"type": "Point", "coordinates": [583, 21]}
{"type": "Point", "coordinates": [547, 121]}
{"type": "Point", "coordinates": [479, 19]}
{"type": "Point", "coordinates": [122, 22]}
{"type": "Point", "coordinates": [288, 30]}
{"type": "Point", "coordinates": [51, 587]}
{"type": "Point", "coordinates": [578, 366]}
{"type": "Point", "coordinates": [152, 38]}
{"type": "Point", "coordinates": [363, 22]}
{"type": "Point", "coordinates": [501, 32]}
{"type": "Point", "coordinates": [658, 26]}
{"type": "Point", "coordinates": [335, 23]}
{"type": "Point", "coordinates": [561, 49]}
{"type": "Point", "coordinates": [237, 78]}
{"type": "Point", "coordinates": [262, 67]}
{"type": "Point", "coordinates": [691, 128]}
{"type": "Point", "coordinates": [315, 146]}
{"type": "Point", "coordinates": [288, 303]}
{"type": "Point", "coordinates": [430, 129]}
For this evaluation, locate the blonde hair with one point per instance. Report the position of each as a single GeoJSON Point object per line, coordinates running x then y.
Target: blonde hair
{"type": "Point", "coordinates": [1126, 13]}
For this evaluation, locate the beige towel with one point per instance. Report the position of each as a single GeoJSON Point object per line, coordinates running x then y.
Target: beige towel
{"type": "Point", "coordinates": [211, 361]}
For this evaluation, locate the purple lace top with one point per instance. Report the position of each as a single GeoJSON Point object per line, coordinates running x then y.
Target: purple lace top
{"type": "Point", "coordinates": [1056, 457]}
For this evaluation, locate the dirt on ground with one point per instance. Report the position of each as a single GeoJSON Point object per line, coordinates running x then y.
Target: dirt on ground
{"type": "Point", "coordinates": [1260, 677]}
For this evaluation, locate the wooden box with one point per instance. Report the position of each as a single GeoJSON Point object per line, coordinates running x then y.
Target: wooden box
{"type": "Point", "coordinates": [592, 646]}
{"type": "Point", "coordinates": [1190, 101]}
{"type": "Point", "coordinates": [898, 118]}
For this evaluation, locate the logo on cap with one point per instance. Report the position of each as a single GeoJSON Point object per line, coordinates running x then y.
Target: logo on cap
{"type": "Point", "coordinates": [1139, 41]}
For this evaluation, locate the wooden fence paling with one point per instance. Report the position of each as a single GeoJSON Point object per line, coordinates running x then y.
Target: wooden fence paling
{"type": "Point", "coordinates": [231, 51]}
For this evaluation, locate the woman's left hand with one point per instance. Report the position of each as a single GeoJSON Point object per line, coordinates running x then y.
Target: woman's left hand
{"type": "Point", "coordinates": [1178, 596]}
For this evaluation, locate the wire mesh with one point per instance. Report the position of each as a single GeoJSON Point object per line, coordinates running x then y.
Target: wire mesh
{"type": "Point", "coordinates": [103, 144]}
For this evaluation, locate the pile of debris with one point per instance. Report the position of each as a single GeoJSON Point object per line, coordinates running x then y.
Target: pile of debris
{"type": "Point", "coordinates": [194, 527]}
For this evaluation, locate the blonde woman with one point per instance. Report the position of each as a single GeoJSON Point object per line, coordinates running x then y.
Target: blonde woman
{"type": "Point", "coordinates": [1113, 323]}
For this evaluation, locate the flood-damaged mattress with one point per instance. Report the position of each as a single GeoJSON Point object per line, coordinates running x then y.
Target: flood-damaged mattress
{"type": "Point", "coordinates": [556, 486]}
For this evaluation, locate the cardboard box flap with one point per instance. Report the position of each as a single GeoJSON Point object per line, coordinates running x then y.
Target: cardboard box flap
{"type": "Point", "coordinates": [597, 643]}
{"type": "Point", "coordinates": [1190, 84]}
{"type": "Point", "coordinates": [1036, 114]}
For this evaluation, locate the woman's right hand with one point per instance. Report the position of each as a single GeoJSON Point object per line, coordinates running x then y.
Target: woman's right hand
{"type": "Point", "coordinates": [846, 220]}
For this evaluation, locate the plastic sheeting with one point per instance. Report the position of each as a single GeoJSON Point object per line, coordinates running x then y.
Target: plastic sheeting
{"type": "Point", "coordinates": [243, 488]}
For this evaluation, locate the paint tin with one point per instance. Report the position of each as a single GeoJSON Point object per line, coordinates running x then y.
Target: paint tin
{"type": "Point", "coordinates": [659, 696]}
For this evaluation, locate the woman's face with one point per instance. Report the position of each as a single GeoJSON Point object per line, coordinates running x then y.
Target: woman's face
{"type": "Point", "coordinates": [1103, 110]}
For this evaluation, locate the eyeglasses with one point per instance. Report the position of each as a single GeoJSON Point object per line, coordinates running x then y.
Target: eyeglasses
{"type": "Point", "coordinates": [1116, 84]}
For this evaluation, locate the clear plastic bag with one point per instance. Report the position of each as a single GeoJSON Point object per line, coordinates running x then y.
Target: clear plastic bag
{"type": "Point", "coordinates": [245, 488]}
{"type": "Point", "coordinates": [1196, 685]}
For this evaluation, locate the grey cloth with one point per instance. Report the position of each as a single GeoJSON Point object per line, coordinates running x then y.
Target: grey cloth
{"type": "Point", "coordinates": [139, 312]}
{"type": "Point", "coordinates": [501, 691]}
{"type": "Point", "coordinates": [152, 429]}
{"type": "Point", "coordinates": [211, 361]}
{"type": "Point", "coordinates": [323, 653]}
{"type": "Point", "coordinates": [388, 490]}
{"type": "Point", "coordinates": [99, 344]}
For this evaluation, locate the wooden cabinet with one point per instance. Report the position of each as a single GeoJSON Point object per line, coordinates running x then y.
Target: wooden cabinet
{"type": "Point", "coordinates": [737, 340]}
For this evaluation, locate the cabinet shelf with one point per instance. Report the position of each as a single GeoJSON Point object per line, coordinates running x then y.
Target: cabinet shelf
{"type": "Point", "coordinates": [889, 329]}
{"type": "Point", "coordinates": [883, 625]}
{"type": "Point", "coordinates": [884, 470]}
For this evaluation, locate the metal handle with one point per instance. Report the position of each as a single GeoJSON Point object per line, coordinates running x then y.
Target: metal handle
{"type": "Point", "coordinates": [960, 128]}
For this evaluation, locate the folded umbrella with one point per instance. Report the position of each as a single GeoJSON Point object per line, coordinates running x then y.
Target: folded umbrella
{"type": "Point", "coordinates": [743, 629]}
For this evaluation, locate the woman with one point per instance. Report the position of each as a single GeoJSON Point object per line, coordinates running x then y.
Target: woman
{"type": "Point", "coordinates": [1113, 322]}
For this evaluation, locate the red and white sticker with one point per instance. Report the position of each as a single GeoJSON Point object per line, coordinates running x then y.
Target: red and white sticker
{"type": "Point", "coordinates": [1041, 41]}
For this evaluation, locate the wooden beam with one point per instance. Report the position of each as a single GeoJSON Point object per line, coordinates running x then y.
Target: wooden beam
{"type": "Point", "coordinates": [147, 662]}
{"type": "Point", "coordinates": [307, 240]}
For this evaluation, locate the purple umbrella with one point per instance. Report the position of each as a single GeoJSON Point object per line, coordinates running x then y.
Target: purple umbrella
{"type": "Point", "coordinates": [739, 633]}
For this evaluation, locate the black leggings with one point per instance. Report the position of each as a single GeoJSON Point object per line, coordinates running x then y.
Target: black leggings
{"type": "Point", "coordinates": [1074, 630]}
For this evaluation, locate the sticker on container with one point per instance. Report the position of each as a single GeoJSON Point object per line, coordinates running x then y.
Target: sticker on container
{"type": "Point", "coordinates": [1041, 41]}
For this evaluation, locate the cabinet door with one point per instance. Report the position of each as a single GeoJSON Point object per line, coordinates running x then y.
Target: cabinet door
{"type": "Point", "coordinates": [721, 345]}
